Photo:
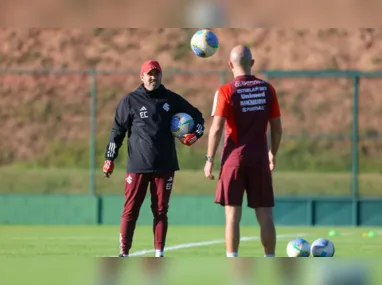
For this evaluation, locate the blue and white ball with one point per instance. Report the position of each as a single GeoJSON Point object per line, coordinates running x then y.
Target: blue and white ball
{"type": "Point", "coordinates": [204, 43]}
{"type": "Point", "coordinates": [322, 248]}
{"type": "Point", "coordinates": [181, 124]}
{"type": "Point", "coordinates": [298, 247]}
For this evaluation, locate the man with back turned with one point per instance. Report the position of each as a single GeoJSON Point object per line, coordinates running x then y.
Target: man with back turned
{"type": "Point", "coordinates": [245, 106]}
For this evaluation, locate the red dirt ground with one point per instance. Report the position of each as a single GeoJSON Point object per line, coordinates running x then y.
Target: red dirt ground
{"type": "Point", "coordinates": [39, 110]}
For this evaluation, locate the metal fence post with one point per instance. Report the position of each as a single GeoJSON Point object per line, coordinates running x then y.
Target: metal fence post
{"type": "Point", "coordinates": [355, 139]}
{"type": "Point", "coordinates": [223, 77]}
{"type": "Point", "coordinates": [93, 118]}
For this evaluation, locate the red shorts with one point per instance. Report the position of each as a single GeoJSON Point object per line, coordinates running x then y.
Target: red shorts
{"type": "Point", "coordinates": [136, 188]}
{"type": "Point", "coordinates": [255, 181]}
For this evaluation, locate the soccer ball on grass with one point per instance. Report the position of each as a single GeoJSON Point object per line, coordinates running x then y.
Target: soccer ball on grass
{"type": "Point", "coordinates": [322, 248]}
{"type": "Point", "coordinates": [298, 247]}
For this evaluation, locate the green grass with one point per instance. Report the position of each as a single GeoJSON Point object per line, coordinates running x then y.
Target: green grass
{"type": "Point", "coordinates": [92, 241]}
{"type": "Point", "coordinates": [76, 181]}
{"type": "Point", "coordinates": [63, 255]}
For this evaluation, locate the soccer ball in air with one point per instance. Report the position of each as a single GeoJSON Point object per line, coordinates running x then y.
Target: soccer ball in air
{"type": "Point", "coordinates": [322, 248]}
{"type": "Point", "coordinates": [204, 43]}
{"type": "Point", "coordinates": [298, 247]}
{"type": "Point", "coordinates": [181, 124]}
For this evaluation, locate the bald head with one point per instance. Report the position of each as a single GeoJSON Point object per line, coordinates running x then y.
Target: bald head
{"type": "Point", "coordinates": [241, 57]}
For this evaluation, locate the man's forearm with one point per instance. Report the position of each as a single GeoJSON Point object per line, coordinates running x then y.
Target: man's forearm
{"type": "Point", "coordinates": [115, 142]}
{"type": "Point", "coordinates": [213, 142]}
{"type": "Point", "coordinates": [275, 141]}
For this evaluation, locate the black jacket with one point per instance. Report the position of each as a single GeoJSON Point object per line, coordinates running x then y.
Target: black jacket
{"type": "Point", "coordinates": [145, 116]}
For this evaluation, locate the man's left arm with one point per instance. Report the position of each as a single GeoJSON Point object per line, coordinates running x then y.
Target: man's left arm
{"type": "Point", "coordinates": [220, 111]}
{"type": "Point", "coordinates": [186, 107]}
{"type": "Point", "coordinates": [215, 135]}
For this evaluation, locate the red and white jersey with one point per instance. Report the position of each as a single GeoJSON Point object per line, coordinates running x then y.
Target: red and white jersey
{"type": "Point", "coordinates": [247, 103]}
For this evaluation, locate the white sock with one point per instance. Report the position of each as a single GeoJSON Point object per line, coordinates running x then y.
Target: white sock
{"type": "Point", "coordinates": [158, 253]}
{"type": "Point", "coordinates": [269, 255]}
{"type": "Point", "coordinates": [232, 254]}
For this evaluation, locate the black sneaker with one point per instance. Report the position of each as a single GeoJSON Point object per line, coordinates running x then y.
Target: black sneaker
{"type": "Point", "coordinates": [123, 255]}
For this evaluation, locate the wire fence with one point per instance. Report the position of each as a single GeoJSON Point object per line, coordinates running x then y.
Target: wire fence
{"type": "Point", "coordinates": [331, 119]}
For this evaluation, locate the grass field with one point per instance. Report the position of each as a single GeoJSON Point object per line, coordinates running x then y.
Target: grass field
{"type": "Point", "coordinates": [64, 254]}
{"type": "Point", "coordinates": [60, 254]}
{"type": "Point", "coordinates": [91, 241]}
{"type": "Point", "coordinates": [76, 181]}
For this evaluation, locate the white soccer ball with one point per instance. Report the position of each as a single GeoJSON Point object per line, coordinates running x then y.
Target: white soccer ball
{"type": "Point", "coordinates": [204, 43]}
{"type": "Point", "coordinates": [298, 247]}
{"type": "Point", "coordinates": [322, 248]}
{"type": "Point", "coordinates": [181, 124]}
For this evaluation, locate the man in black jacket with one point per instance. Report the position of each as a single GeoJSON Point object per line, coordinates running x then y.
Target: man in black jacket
{"type": "Point", "coordinates": [145, 116]}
